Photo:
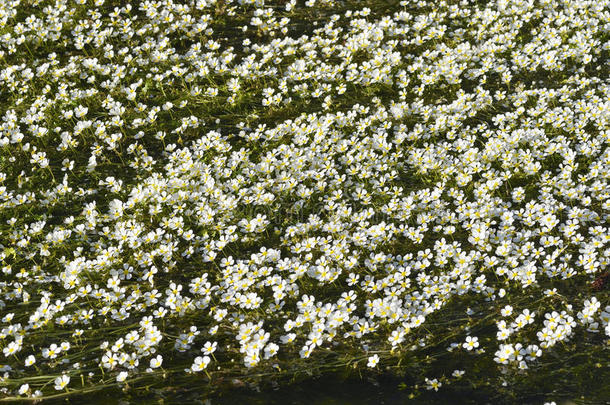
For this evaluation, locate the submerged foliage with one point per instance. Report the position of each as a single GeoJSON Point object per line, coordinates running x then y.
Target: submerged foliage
{"type": "Point", "coordinates": [219, 192]}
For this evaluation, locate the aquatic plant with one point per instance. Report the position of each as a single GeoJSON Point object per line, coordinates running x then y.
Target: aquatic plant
{"type": "Point", "coordinates": [197, 191]}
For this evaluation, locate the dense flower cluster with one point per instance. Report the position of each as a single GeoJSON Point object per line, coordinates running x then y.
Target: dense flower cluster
{"type": "Point", "coordinates": [187, 184]}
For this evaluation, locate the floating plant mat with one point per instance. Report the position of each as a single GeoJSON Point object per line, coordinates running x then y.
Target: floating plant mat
{"type": "Point", "coordinates": [203, 197]}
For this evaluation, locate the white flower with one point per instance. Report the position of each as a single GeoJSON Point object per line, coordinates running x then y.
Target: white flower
{"type": "Point", "coordinates": [471, 343]}
{"type": "Point", "coordinates": [11, 349]}
{"type": "Point", "coordinates": [155, 362]}
{"type": "Point", "coordinates": [270, 350]}
{"type": "Point", "coordinates": [61, 382]}
{"type": "Point", "coordinates": [30, 360]}
{"type": "Point", "coordinates": [507, 310]}
{"type": "Point", "coordinates": [433, 384]}
{"type": "Point", "coordinates": [458, 373]}
{"type": "Point", "coordinates": [80, 111]}
{"type": "Point", "coordinates": [209, 347]}
{"type": "Point", "coordinates": [200, 363]}
{"type": "Point", "coordinates": [373, 360]}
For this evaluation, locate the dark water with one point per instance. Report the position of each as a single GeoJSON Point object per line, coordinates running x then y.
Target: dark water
{"type": "Point", "coordinates": [324, 391]}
